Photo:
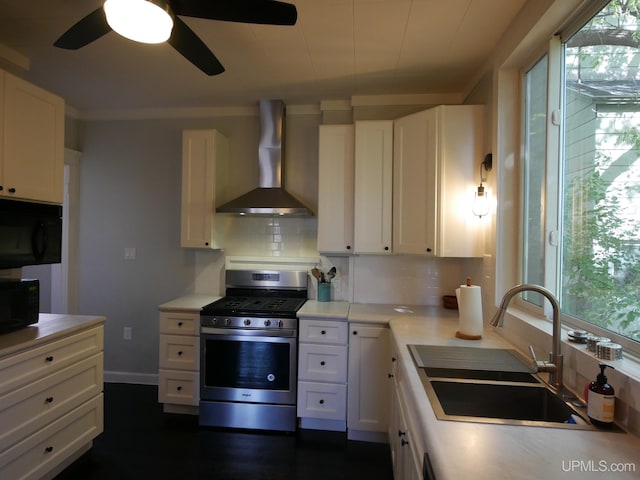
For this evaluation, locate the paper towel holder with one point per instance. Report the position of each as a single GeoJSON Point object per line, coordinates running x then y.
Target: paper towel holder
{"type": "Point", "coordinates": [469, 333]}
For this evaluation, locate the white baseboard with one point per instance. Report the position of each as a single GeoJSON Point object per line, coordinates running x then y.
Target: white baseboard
{"type": "Point", "coordinates": [130, 377]}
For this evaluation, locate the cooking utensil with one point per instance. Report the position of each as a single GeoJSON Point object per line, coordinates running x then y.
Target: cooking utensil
{"type": "Point", "coordinates": [331, 273]}
{"type": "Point", "coordinates": [316, 273]}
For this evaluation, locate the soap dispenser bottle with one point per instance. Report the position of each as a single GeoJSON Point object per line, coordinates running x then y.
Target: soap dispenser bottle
{"type": "Point", "coordinates": [601, 400]}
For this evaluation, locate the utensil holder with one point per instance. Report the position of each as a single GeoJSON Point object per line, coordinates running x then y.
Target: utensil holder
{"type": "Point", "coordinates": [324, 292]}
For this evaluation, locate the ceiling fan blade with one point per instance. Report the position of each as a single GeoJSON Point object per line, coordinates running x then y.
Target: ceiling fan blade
{"type": "Point", "coordinates": [90, 28]}
{"type": "Point", "coordinates": [268, 12]}
{"type": "Point", "coordinates": [193, 49]}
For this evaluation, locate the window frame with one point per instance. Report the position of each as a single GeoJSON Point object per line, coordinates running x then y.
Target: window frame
{"type": "Point", "coordinates": [553, 187]}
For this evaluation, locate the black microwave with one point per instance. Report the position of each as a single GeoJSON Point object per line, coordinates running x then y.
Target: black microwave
{"type": "Point", "coordinates": [19, 303]}
{"type": "Point", "coordinates": [30, 233]}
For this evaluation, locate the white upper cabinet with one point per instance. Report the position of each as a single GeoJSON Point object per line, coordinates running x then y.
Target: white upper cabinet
{"type": "Point", "coordinates": [335, 196]}
{"type": "Point", "coordinates": [373, 184]}
{"type": "Point", "coordinates": [204, 154]}
{"type": "Point", "coordinates": [32, 141]}
{"type": "Point", "coordinates": [437, 156]}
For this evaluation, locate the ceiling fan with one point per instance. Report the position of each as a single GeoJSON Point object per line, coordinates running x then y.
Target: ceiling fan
{"type": "Point", "coordinates": [139, 14]}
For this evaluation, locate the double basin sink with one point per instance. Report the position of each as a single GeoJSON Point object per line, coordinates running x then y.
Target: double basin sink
{"type": "Point", "coordinates": [490, 385]}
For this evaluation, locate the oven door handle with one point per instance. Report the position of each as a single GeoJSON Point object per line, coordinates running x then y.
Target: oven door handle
{"type": "Point", "coordinates": [246, 332]}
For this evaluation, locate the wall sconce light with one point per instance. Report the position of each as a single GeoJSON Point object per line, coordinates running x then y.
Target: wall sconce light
{"type": "Point", "coordinates": [481, 197]}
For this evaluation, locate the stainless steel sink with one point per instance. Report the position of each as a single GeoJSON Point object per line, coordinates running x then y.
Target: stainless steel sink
{"type": "Point", "coordinates": [493, 375]}
{"type": "Point", "coordinates": [492, 386]}
{"type": "Point", "coordinates": [509, 402]}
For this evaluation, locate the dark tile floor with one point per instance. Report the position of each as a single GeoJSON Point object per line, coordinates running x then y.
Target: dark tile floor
{"type": "Point", "coordinates": [140, 441]}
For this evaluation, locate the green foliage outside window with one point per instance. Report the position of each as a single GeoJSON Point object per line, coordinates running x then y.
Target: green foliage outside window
{"type": "Point", "coordinates": [601, 211]}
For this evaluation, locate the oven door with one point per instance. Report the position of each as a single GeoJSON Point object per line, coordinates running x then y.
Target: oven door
{"type": "Point", "coordinates": [250, 366]}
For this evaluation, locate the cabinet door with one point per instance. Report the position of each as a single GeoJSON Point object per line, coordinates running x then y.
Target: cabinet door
{"type": "Point", "coordinates": [323, 331]}
{"type": "Point", "coordinates": [322, 363]}
{"type": "Point", "coordinates": [414, 183]}
{"type": "Point", "coordinates": [368, 386]}
{"type": "Point", "coordinates": [373, 184]}
{"type": "Point", "coordinates": [335, 195]}
{"type": "Point", "coordinates": [202, 152]}
{"type": "Point", "coordinates": [32, 159]}
{"type": "Point", "coordinates": [461, 140]}
{"type": "Point", "coordinates": [437, 155]}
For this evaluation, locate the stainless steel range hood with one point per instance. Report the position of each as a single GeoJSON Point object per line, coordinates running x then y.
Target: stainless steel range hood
{"type": "Point", "coordinates": [270, 198]}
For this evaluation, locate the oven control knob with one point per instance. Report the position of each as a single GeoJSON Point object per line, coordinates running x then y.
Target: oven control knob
{"type": "Point", "coordinates": [271, 377]}
{"type": "Point", "coordinates": [280, 323]}
{"type": "Point", "coordinates": [267, 323]}
{"type": "Point", "coordinates": [247, 322]}
{"type": "Point", "coordinates": [227, 321]}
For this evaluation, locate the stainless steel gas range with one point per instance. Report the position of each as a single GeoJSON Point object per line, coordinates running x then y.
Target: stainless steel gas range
{"type": "Point", "coordinates": [249, 349]}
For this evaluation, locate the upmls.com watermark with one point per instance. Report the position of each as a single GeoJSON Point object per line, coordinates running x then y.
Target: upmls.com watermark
{"type": "Point", "coordinates": [597, 466]}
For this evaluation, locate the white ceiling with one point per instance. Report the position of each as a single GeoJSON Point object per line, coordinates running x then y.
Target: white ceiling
{"type": "Point", "coordinates": [337, 49]}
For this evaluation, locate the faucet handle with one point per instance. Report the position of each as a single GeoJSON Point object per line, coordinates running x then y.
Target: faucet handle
{"type": "Point", "coordinates": [534, 361]}
{"type": "Point", "coordinates": [541, 365]}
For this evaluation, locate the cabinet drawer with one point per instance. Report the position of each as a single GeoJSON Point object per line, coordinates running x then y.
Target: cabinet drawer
{"type": "Point", "coordinates": [324, 331]}
{"type": "Point", "coordinates": [179, 387]}
{"type": "Point", "coordinates": [325, 363]}
{"type": "Point", "coordinates": [25, 367]}
{"type": "Point", "coordinates": [322, 400]}
{"type": "Point", "coordinates": [180, 323]}
{"type": "Point", "coordinates": [38, 454]}
{"type": "Point", "coordinates": [30, 408]}
{"type": "Point", "coordinates": [179, 352]}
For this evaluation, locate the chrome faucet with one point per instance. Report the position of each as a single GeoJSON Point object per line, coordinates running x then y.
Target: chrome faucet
{"type": "Point", "coordinates": [554, 365]}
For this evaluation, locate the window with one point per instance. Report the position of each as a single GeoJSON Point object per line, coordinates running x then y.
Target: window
{"type": "Point", "coordinates": [592, 260]}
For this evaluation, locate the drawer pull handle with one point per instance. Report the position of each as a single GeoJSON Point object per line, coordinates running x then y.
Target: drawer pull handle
{"type": "Point", "coordinates": [179, 324]}
{"type": "Point", "coordinates": [321, 402]}
{"type": "Point", "coordinates": [49, 400]}
{"type": "Point", "coordinates": [180, 353]}
{"type": "Point", "coordinates": [49, 358]}
{"type": "Point", "coordinates": [322, 363]}
{"type": "Point", "coordinates": [179, 389]}
{"type": "Point", "coordinates": [401, 433]}
{"type": "Point", "coordinates": [49, 449]}
{"type": "Point", "coordinates": [355, 332]}
{"type": "Point", "coordinates": [404, 442]}
{"type": "Point", "coordinates": [323, 332]}
{"type": "Point", "coordinates": [390, 375]}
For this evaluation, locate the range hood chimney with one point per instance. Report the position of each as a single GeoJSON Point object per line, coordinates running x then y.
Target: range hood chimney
{"type": "Point", "coordinates": [270, 198]}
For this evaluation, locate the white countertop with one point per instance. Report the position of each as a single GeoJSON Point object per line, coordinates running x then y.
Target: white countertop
{"type": "Point", "coordinates": [460, 450]}
{"type": "Point", "coordinates": [49, 327]}
{"type": "Point", "coordinates": [380, 313]}
{"type": "Point", "coordinates": [190, 303]}
{"type": "Point", "coordinates": [333, 310]}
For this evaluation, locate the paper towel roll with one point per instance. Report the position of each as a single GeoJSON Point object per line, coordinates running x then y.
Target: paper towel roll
{"type": "Point", "coordinates": [470, 312]}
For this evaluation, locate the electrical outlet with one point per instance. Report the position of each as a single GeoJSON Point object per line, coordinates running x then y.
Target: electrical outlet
{"type": "Point", "coordinates": [127, 333]}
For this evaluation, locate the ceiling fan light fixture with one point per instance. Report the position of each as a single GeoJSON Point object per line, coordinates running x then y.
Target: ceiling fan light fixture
{"type": "Point", "coordinates": [145, 21]}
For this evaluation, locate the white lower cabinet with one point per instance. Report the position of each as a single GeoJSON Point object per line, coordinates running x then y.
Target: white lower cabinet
{"type": "Point", "coordinates": [51, 404]}
{"type": "Point", "coordinates": [179, 361]}
{"type": "Point", "coordinates": [322, 374]}
{"type": "Point", "coordinates": [368, 380]}
{"type": "Point", "coordinates": [408, 450]}
{"type": "Point", "coordinates": [405, 464]}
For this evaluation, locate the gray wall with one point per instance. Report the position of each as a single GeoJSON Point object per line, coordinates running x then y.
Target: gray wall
{"type": "Point", "coordinates": [130, 198]}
